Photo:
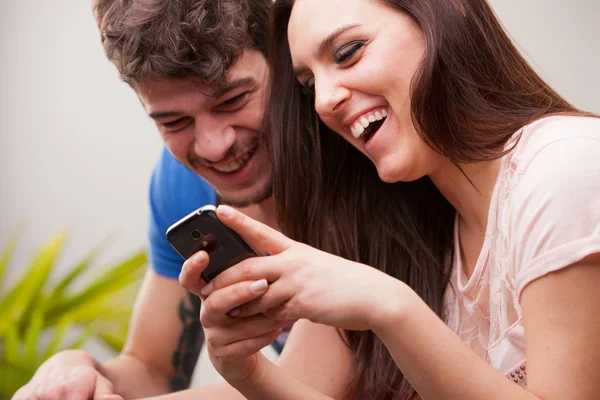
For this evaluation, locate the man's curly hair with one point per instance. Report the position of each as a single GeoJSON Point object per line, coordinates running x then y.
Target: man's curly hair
{"type": "Point", "coordinates": [148, 39]}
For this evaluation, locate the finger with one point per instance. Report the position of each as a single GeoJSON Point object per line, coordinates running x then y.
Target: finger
{"type": "Point", "coordinates": [247, 347]}
{"type": "Point", "coordinates": [191, 272]}
{"type": "Point", "coordinates": [250, 269]}
{"type": "Point", "coordinates": [257, 235]}
{"type": "Point", "coordinates": [104, 388]}
{"type": "Point", "coordinates": [110, 397]}
{"type": "Point", "coordinates": [276, 296]}
{"type": "Point", "coordinates": [242, 329]}
{"type": "Point", "coordinates": [219, 303]}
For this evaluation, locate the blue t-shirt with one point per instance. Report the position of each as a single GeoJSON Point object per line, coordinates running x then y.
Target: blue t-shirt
{"type": "Point", "coordinates": [175, 191]}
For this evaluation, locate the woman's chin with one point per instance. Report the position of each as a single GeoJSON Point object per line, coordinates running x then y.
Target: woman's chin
{"type": "Point", "coordinates": [392, 171]}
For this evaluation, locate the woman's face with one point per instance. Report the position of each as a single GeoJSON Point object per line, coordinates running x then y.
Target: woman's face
{"type": "Point", "coordinates": [360, 57]}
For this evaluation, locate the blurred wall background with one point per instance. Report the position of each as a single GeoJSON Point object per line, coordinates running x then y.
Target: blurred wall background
{"type": "Point", "coordinates": [77, 150]}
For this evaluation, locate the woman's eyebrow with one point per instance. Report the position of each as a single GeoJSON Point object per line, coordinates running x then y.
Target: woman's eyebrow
{"type": "Point", "coordinates": [325, 45]}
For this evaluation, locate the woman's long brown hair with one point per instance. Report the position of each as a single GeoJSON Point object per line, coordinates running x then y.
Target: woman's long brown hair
{"type": "Point", "coordinates": [472, 92]}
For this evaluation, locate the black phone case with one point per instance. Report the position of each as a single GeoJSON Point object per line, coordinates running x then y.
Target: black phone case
{"type": "Point", "coordinates": [203, 231]}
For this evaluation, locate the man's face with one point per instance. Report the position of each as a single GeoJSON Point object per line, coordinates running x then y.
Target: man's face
{"type": "Point", "coordinates": [215, 131]}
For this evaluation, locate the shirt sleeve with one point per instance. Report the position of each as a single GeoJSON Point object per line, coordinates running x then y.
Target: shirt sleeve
{"type": "Point", "coordinates": [174, 192]}
{"type": "Point", "coordinates": [555, 208]}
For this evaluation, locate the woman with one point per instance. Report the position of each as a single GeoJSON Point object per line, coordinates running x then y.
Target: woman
{"type": "Point", "coordinates": [458, 191]}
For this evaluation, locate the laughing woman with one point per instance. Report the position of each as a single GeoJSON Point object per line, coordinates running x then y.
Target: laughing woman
{"type": "Point", "coordinates": [454, 198]}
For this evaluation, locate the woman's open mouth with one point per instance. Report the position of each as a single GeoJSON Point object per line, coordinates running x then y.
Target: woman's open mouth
{"type": "Point", "coordinates": [368, 124]}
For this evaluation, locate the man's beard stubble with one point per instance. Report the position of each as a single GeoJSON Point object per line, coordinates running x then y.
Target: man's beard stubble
{"type": "Point", "coordinates": [237, 149]}
{"type": "Point", "coordinates": [257, 198]}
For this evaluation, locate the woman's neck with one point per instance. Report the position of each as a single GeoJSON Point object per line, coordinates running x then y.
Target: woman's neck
{"type": "Point", "coordinates": [470, 193]}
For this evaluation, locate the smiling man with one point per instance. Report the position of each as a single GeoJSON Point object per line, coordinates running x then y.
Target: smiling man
{"type": "Point", "coordinates": [199, 68]}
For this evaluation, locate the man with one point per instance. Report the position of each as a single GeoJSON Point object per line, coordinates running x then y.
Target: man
{"type": "Point", "coordinates": [199, 68]}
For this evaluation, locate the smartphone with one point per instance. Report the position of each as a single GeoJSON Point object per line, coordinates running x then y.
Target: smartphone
{"type": "Point", "coordinates": [202, 230]}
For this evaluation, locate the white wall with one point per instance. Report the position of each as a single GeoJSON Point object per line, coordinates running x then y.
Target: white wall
{"type": "Point", "coordinates": [76, 149]}
{"type": "Point", "coordinates": [562, 40]}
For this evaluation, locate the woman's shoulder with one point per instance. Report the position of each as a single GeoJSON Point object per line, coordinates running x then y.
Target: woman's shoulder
{"type": "Point", "coordinates": [557, 136]}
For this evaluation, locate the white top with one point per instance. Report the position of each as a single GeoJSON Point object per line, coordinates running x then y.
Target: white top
{"type": "Point", "coordinates": [544, 215]}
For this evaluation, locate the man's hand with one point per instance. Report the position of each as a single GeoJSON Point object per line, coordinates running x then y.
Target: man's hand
{"type": "Point", "coordinates": [68, 375]}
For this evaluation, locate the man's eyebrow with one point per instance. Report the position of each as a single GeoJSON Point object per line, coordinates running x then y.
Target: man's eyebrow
{"type": "Point", "coordinates": [325, 45]}
{"type": "Point", "coordinates": [164, 114]}
{"type": "Point", "coordinates": [229, 86]}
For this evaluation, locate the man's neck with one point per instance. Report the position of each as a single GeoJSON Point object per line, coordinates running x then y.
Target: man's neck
{"type": "Point", "coordinates": [264, 212]}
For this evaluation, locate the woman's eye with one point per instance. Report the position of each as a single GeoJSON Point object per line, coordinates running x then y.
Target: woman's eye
{"type": "Point", "coordinates": [345, 52]}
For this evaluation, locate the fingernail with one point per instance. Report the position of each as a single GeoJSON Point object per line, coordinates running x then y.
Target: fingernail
{"type": "Point", "coordinates": [225, 211]}
{"type": "Point", "coordinates": [200, 257]}
{"type": "Point", "coordinates": [259, 286]}
{"type": "Point", "coordinates": [235, 312]}
{"type": "Point", "coordinates": [207, 289]}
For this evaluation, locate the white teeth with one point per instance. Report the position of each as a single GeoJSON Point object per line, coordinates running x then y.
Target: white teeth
{"type": "Point", "coordinates": [234, 165]}
{"type": "Point", "coordinates": [358, 130]}
{"type": "Point", "coordinates": [361, 124]}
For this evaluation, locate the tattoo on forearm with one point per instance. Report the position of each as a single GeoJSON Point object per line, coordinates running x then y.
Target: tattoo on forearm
{"type": "Point", "coordinates": [189, 345]}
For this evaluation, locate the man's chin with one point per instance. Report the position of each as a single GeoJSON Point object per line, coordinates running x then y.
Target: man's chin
{"type": "Point", "coordinates": [237, 201]}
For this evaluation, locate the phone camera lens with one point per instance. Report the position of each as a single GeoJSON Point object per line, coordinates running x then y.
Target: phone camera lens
{"type": "Point", "coordinates": [196, 234]}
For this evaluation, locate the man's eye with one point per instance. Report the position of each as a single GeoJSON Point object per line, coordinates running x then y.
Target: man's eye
{"type": "Point", "coordinates": [174, 123]}
{"type": "Point", "coordinates": [345, 52]}
{"type": "Point", "coordinates": [308, 86]}
{"type": "Point", "coordinates": [234, 100]}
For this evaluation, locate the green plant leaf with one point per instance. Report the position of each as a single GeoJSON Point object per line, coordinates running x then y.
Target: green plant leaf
{"type": "Point", "coordinates": [12, 377]}
{"type": "Point", "coordinates": [8, 252]}
{"type": "Point", "coordinates": [32, 310]}
{"type": "Point", "coordinates": [87, 334]}
{"type": "Point", "coordinates": [32, 335]}
{"type": "Point", "coordinates": [11, 344]}
{"type": "Point", "coordinates": [17, 301]}
{"type": "Point", "coordinates": [109, 282]}
{"type": "Point", "coordinates": [109, 306]}
{"type": "Point", "coordinates": [59, 335]}
{"type": "Point", "coordinates": [59, 290]}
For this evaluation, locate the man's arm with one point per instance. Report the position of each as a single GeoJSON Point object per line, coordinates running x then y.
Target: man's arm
{"type": "Point", "coordinates": [159, 356]}
{"type": "Point", "coordinates": [163, 344]}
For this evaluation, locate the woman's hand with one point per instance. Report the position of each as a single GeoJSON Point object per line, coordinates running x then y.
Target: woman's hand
{"type": "Point", "coordinates": [304, 282]}
{"type": "Point", "coordinates": [234, 343]}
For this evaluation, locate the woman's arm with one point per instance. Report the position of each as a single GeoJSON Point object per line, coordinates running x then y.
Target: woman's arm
{"type": "Point", "coordinates": [269, 382]}
{"type": "Point", "coordinates": [562, 325]}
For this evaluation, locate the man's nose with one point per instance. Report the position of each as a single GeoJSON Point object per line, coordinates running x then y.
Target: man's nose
{"type": "Point", "coordinates": [213, 139]}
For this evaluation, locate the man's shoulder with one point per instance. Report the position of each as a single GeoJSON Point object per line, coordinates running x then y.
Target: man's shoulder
{"type": "Point", "coordinates": [173, 180]}
{"type": "Point", "coordinates": [176, 191]}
